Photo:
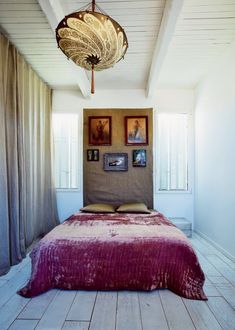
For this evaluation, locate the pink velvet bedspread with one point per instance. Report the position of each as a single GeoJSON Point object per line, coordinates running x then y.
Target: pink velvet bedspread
{"type": "Point", "coordinates": [116, 252]}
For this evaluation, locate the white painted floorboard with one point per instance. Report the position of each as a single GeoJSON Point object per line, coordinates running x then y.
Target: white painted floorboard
{"type": "Point", "coordinates": [152, 313]}
{"type": "Point", "coordinates": [104, 313]}
{"type": "Point", "coordinates": [124, 310]}
{"type": "Point", "coordinates": [176, 313]}
{"type": "Point", "coordinates": [128, 311]}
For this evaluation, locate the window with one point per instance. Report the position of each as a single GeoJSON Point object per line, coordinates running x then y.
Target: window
{"type": "Point", "coordinates": [172, 152]}
{"type": "Point", "coordinates": [65, 130]}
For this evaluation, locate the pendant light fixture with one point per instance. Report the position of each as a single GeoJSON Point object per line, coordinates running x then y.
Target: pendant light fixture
{"type": "Point", "coordinates": [91, 39]}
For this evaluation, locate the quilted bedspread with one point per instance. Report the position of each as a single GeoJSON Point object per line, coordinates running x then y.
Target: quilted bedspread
{"type": "Point", "coordinates": [116, 252]}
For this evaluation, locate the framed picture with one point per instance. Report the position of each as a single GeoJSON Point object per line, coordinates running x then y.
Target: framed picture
{"type": "Point", "coordinates": [100, 129]}
{"type": "Point", "coordinates": [139, 158]}
{"type": "Point", "coordinates": [136, 130]}
{"type": "Point", "coordinates": [92, 155]}
{"type": "Point", "coordinates": [116, 162]}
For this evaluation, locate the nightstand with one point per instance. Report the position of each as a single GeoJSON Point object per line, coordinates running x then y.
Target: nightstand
{"type": "Point", "coordinates": [184, 225]}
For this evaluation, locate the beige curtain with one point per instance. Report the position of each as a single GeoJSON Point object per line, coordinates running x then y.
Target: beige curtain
{"type": "Point", "coordinates": [27, 196]}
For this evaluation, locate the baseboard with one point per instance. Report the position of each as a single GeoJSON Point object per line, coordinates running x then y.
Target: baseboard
{"type": "Point", "coordinates": [216, 245]}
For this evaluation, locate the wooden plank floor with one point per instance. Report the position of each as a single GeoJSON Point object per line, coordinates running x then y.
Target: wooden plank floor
{"type": "Point", "coordinates": [160, 309]}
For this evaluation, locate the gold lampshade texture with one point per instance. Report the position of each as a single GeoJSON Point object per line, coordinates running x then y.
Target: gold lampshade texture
{"type": "Point", "coordinates": [91, 39]}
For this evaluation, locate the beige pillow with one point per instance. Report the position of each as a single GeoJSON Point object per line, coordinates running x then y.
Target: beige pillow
{"type": "Point", "coordinates": [98, 208]}
{"type": "Point", "coordinates": [133, 208]}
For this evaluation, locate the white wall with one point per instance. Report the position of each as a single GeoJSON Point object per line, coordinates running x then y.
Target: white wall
{"type": "Point", "coordinates": [171, 204]}
{"type": "Point", "coordinates": [215, 154]}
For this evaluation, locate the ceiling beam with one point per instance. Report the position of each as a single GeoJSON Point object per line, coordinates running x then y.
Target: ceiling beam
{"type": "Point", "coordinates": [55, 11]}
{"type": "Point", "coordinates": [166, 31]}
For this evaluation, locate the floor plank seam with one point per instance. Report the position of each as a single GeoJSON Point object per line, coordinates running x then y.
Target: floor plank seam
{"type": "Point", "coordinates": [116, 311]}
{"type": "Point", "coordinates": [93, 310]}
{"type": "Point", "coordinates": [217, 319]}
{"type": "Point", "coordinates": [50, 303]}
{"type": "Point", "coordinates": [189, 314]}
{"type": "Point", "coordinates": [221, 274]}
{"type": "Point", "coordinates": [22, 310]}
{"type": "Point", "coordinates": [213, 248]}
{"type": "Point", "coordinates": [141, 321]}
{"type": "Point", "coordinates": [69, 310]}
{"type": "Point", "coordinates": [164, 312]}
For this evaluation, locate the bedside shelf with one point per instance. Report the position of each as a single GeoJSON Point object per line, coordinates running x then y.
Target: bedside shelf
{"type": "Point", "coordinates": [184, 225]}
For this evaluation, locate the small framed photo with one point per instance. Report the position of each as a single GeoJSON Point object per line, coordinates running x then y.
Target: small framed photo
{"type": "Point", "coordinates": [136, 130]}
{"type": "Point", "coordinates": [139, 158]}
{"type": "Point", "coordinates": [100, 130]}
{"type": "Point", "coordinates": [116, 162]}
{"type": "Point", "coordinates": [92, 155]}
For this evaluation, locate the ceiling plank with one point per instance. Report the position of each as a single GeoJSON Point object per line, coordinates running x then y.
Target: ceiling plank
{"type": "Point", "coordinates": [126, 5]}
{"type": "Point", "coordinates": [170, 15]}
{"type": "Point", "coordinates": [55, 12]}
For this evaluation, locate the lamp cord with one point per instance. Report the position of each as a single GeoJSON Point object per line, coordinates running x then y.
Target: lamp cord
{"type": "Point", "coordinates": [92, 80]}
{"type": "Point", "coordinates": [89, 7]}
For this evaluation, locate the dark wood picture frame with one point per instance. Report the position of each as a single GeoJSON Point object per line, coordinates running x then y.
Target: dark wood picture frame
{"type": "Point", "coordinates": [136, 130]}
{"type": "Point", "coordinates": [92, 155]}
{"type": "Point", "coordinates": [115, 162]}
{"type": "Point", "coordinates": [139, 158]}
{"type": "Point", "coordinates": [100, 130]}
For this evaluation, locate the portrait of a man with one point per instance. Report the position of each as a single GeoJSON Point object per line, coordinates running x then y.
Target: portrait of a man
{"type": "Point", "coordinates": [100, 130]}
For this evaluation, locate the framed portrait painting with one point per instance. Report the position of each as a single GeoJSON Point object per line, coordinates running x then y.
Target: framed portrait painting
{"type": "Point", "coordinates": [136, 130]}
{"type": "Point", "coordinates": [139, 158]}
{"type": "Point", "coordinates": [100, 130]}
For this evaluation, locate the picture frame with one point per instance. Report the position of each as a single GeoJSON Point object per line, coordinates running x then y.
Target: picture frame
{"type": "Point", "coordinates": [115, 162]}
{"type": "Point", "coordinates": [136, 130]}
{"type": "Point", "coordinates": [100, 130]}
{"type": "Point", "coordinates": [139, 158]}
{"type": "Point", "coordinates": [92, 155]}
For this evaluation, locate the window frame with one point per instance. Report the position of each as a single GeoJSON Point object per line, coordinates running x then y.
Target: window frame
{"type": "Point", "coordinates": [190, 152]}
{"type": "Point", "coordinates": [79, 153]}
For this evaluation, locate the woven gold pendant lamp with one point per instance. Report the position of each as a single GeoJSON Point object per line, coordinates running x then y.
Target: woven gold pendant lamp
{"type": "Point", "coordinates": [91, 39]}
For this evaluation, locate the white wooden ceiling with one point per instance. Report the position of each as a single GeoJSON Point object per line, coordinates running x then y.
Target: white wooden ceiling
{"type": "Point", "coordinates": [172, 43]}
{"type": "Point", "coordinates": [203, 32]}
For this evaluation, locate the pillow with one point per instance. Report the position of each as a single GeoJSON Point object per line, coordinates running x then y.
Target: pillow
{"type": "Point", "coordinates": [98, 208]}
{"type": "Point", "coordinates": [133, 208]}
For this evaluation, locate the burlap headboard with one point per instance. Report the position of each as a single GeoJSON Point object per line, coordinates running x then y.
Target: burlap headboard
{"type": "Point", "coordinates": [134, 185]}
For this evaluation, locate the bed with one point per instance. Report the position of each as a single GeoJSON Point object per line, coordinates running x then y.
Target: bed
{"type": "Point", "coordinates": [116, 251]}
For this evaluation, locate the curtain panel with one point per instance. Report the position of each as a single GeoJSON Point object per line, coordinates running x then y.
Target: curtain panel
{"type": "Point", "coordinates": [27, 194]}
